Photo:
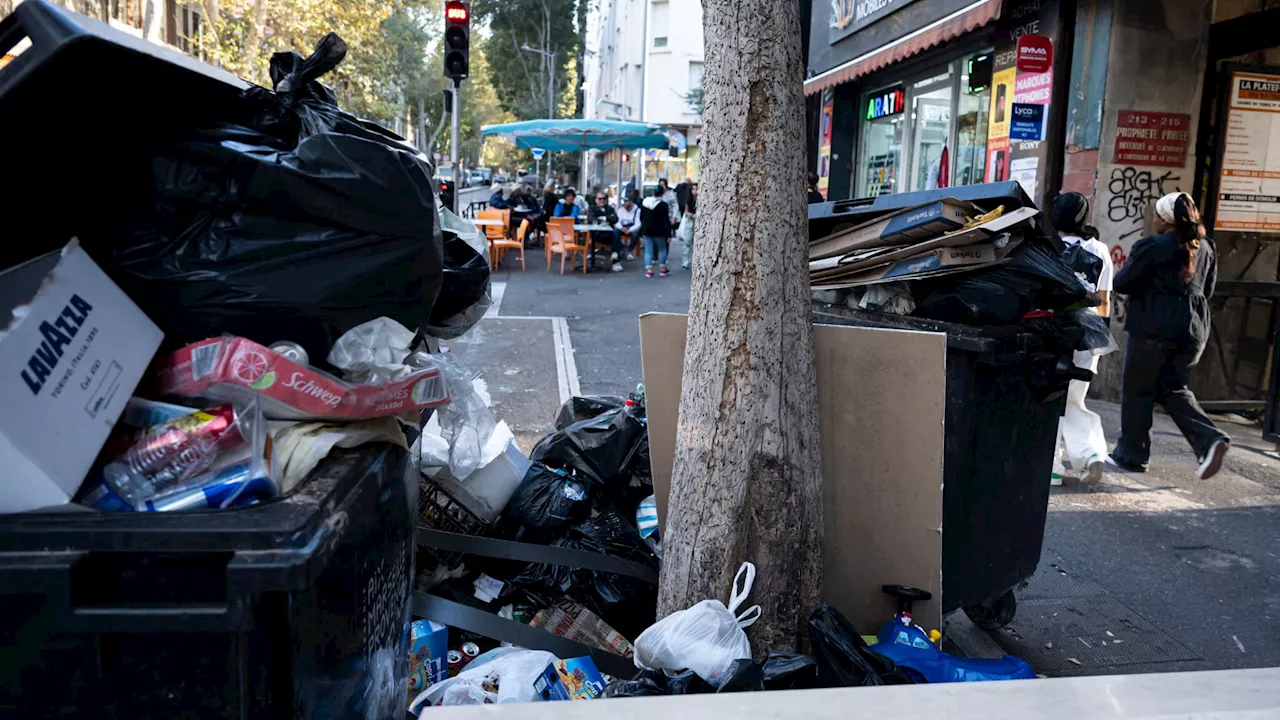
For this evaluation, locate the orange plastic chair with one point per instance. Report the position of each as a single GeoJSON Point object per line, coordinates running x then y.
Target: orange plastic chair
{"type": "Point", "coordinates": [498, 248]}
{"type": "Point", "coordinates": [561, 239]}
{"type": "Point", "coordinates": [493, 232]}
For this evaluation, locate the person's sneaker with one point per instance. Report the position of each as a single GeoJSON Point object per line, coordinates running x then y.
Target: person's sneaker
{"type": "Point", "coordinates": [648, 272]}
{"type": "Point", "coordinates": [1055, 480]}
{"type": "Point", "coordinates": [1125, 464]}
{"type": "Point", "coordinates": [1093, 475]}
{"type": "Point", "coordinates": [1212, 462]}
{"type": "Point", "coordinates": [630, 256]}
{"type": "Point", "coordinates": [617, 267]}
{"type": "Point", "coordinates": [613, 258]}
{"type": "Point", "coordinates": [664, 272]}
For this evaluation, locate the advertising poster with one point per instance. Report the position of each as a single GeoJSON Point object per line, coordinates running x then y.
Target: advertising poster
{"type": "Point", "coordinates": [1249, 179]}
{"type": "Point", "coordinates": [824, 141]}
{"type": "Point", "coordinates": [998, 126]}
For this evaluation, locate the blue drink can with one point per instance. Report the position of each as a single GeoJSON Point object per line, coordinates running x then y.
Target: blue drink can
{"type": "Point", "coordinates": [211, 490]}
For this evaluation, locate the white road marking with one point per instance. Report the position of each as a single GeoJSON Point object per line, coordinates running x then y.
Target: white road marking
{"type": "Point", "coordinates": [496, 291]}
{"type": "Point", "coordinates": [566, 365]}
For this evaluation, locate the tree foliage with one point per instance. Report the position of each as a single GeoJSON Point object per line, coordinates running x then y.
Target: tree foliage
{"type": "Point", "coordinates": [387, 40]}
{"type": "Point", "coordinates": [520, 77]}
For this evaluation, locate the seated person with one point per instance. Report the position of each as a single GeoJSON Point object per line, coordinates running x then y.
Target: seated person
{"type": "Point", "coordinates": [495, 200]}
{"type": "Point", "coordinates": [567, 207]}
{"type": "Point", "coordinates": [602, 213]}
{"type": "Point", "coordinates": [627, 227]}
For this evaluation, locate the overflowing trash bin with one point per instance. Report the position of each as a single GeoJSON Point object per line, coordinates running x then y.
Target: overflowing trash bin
{"type": "Point", "coordinates": [979, 264]}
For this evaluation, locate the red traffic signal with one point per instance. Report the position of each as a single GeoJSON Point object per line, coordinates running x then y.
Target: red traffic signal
{"type": "Point", "coordinates": [625, 157]}
{"type": "Point", "coordinates": [456, 12]}
{"type": "Point", "coordinates": [457, 39]}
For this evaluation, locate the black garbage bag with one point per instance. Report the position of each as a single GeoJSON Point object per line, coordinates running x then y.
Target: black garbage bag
{"type": "Point", "coordinates": [1033, 279]}
{"type": "Point", "coordinates": [546, 503]}
{"type": "Point", "coordinates": [646, 683]}
{"type": "Point", "coordinates": [844, 660]}
{"type": "Point", "coordinates": [626, 603]}
{"type": "Point", "coordinates": [464, 291]}
{"type": "Point", "coordinates": [586, 407]}
{"type": "Point", "coordinates": [1086, 265]}
{"type": "Point", "coordinates": [687, 682]}
{"type": "Point", "coordinates": [744, 676]}
{"type": "Point", "coordinates": [254, 230]}
{"type": "Point", "coordinates": [789, 671]}
{"type": "Point", "coordinates": [599, 450]}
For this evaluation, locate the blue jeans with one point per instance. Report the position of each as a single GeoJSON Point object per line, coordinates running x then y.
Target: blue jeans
{"type": "Point", "coordinates": [655, 246]}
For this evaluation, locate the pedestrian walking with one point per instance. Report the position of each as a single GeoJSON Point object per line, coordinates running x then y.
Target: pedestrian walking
{"type": "Point", "coordinates": [655, 228]}
{"type": "Point", "coordinates": [690, 213]}
{"type": "Point", "coordinates": [1080, 436]}
{"type": "Point", "coordinates": [668, 196]}
{"type": "Point", "coordinates": [1169, 279]}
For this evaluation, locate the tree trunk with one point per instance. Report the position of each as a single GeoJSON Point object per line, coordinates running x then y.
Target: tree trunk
{"type": "Point", "coordinates": [747, 483]}
{"type": "Point", "coordinates": [257, 26]}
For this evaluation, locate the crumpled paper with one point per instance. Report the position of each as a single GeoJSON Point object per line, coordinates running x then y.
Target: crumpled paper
{"type": "Point", "coordinates": [374, 352]}
{"type": "Point", "coordinates": [298, 447]}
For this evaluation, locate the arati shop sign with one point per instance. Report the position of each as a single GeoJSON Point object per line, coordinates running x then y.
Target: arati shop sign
{"type": "Point", "coordinates": [889, 102]}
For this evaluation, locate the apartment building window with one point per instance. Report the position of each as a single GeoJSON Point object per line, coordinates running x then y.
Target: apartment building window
{"type": "Point", "coordinates": [660, 23]}
{"type": "Point", "coordinates": [695, 74]}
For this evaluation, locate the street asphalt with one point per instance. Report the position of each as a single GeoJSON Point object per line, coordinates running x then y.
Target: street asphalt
{"type": "Point", "coordinates": [1144, 573]}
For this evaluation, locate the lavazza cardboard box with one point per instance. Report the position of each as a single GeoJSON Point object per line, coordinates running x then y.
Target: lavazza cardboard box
{"type": "Point", "coordinates": [73, 349]}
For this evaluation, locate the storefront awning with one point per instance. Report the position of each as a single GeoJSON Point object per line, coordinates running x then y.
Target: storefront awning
{"type": "Point", "coordinates": [954, 25]}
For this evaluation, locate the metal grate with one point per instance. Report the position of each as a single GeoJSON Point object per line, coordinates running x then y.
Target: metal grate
{"type": "Point", "coordinates": [1063, 617]}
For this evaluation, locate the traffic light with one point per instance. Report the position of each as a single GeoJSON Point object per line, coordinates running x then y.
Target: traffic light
{"type": "Point", "coordinates": [626, 157]}
{"type": "Point", "coordinates": [457, 39]}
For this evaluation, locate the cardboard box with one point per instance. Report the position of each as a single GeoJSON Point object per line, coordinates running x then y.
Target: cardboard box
{"type": "Point", "coordinates": [72, 353]}
{"type": "Point", "coordinates": [917, 223]}
{"type": "Point", "coordinates": [882, 451]}
{"type": "Point", "coordinates": [928, 263]}
{"type": "Point", "coordinates": [572, 679]}
{"type": "Point", "coordinates": [428, 656]}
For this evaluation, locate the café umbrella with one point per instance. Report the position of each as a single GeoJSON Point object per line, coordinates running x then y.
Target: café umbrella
{"type": "Point", "coordinates": [578, 135]}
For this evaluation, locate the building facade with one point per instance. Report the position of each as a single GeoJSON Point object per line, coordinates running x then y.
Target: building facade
{"type": "Point", "coordinates": [648, 60]}
{"type": "Point", "coordinates": [1138, 98]}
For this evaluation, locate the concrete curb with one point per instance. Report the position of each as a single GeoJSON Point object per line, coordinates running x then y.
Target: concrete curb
{"type": "Point", "coordinates": [968, 639]}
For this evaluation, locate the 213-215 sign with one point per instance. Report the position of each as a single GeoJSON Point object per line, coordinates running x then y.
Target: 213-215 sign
{"type": "Point", "coordinates": [890, 102]}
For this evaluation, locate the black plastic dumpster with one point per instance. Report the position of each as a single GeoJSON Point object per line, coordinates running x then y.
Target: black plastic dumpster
{"type": "Point", "coordinates": [1005, 394]}
{"type": "Point", "coordinates": [295, 608]}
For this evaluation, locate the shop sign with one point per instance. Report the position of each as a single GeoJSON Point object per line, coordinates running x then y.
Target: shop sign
{"type": "Point", "coordinates": [1035, 54]}
{"type": "Point", "coordinates": [1152, 138]}
{"type": "Point", "coordinates": [1027, 122]}
{"type": "Point", "coordinates": [890, 102]}
{"type": "Point", "coordinates": [1249, 179]}
{"type": "Point", "coordinates": [850, 16]}
{"type": "Point", "coordinates": [1033, 89]}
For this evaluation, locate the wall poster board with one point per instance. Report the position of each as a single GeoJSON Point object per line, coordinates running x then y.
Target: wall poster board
{"type": "Point", "coordinates": [1248, 188]}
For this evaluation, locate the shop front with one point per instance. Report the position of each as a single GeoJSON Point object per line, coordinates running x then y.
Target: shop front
{"type": "Point", "coordinates": [923, 93]}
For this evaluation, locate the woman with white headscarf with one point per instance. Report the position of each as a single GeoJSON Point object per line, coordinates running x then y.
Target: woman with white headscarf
{"type": "Point", "coordinates": [1169, 279]}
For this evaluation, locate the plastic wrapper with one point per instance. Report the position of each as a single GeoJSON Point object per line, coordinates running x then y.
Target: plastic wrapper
{"type": "Point", "coordinates": [299, 219]}
{"type": "Point", "coordinates": [206, 459]}
{"type": "Point", "coordinates": [844, 660]}
{"type": "Point", "coordinates": [502, 675]}
{"type": "Point", "coordinates": [601, 451]}
{"type": "Point", "coordinates": [546, 503]}
{"type": "Point", "coordinates": [464, 293]}
{"type": "Point", "coordinates": [466, 423]}
{"type": "Point", "coordinates": [1097, 334]}
{"type": "Point", "coordinates": [706, 638]}
{"type": "Point", "coordinates": [625, 603]}
{"type": "Point", "coordinates": [1032, 279]}
{"type": "Point", "coordinates": [578, 409]}
{"type": "Point", "coordinates": [234, 369]}
{"type": "Point", "coordinates": [572, 620]}
{"type": "Point", "coordinates": [373, 352]}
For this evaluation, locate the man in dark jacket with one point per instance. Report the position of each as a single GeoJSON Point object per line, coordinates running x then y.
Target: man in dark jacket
{"type": "Point", "coordinates": [602, 213]}
{"type": "Point", "coordinates": [655, 228]}
{"type": "Point", "coordinates": [495, 200]}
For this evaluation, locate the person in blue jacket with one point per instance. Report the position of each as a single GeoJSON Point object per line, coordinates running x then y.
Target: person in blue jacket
{"type": "Point", "coordinates": [1169, 279]}
{"type": "Point", "coordinates": [567, 207]}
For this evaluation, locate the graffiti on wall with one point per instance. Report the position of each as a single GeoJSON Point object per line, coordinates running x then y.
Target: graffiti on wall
{"type": "Point", "coordinates": [1132, 190]}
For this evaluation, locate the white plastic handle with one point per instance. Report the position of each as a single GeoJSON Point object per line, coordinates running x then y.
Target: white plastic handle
{"type": "Point", "coordinates": [736, 597]}
{"type": "Point", "coordinates": [747, 619]}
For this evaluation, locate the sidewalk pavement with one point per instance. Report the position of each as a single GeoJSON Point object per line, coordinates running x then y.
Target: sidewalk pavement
{"type": "Point", "coordinates": [1158, 571]}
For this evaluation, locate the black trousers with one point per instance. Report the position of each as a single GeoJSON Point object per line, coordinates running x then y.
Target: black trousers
{"type": "Point", "coordinates": [1156, 371]}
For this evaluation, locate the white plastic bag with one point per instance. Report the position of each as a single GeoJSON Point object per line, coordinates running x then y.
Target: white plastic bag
{"type": "Point", "coordinates": [707, 638]}
{"type": "Point", "coordinates": [502, 675]}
